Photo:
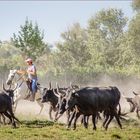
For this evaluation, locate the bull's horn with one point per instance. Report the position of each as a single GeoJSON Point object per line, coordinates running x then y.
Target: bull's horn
{"type": "Point", "coordinates": [4, 87]}
{"type": "Point", "coordinates": [56, 93]}
{"type": "Point", "coordinates": [135, 93]}
{"type": "Point", "coordinates": [57, 85]}
{"type": "Point", "coordinates": [57, 88]}
{"type": "Point", "coordinates": [79, 86]}
{"type": "Point", "coordinates": [50, 86]}
{"type": "Point", "coordinates": [70, 84]}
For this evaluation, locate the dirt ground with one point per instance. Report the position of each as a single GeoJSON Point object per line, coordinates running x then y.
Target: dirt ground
{"type": "Point", "coordinates": [126, 88]}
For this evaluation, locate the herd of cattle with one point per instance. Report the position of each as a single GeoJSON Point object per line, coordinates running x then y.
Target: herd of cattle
{"type": "Point", "coordinates": [76, 102]}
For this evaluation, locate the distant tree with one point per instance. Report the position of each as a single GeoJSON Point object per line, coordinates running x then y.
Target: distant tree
{"type": "Point", "coordinates": [73, 49]}
{"type": "Point", "coordinates": [136, 5]}
{"type": "Point", "coordinates": [105, 33]}
{"type": "Point", "coordinates": [30, 40]}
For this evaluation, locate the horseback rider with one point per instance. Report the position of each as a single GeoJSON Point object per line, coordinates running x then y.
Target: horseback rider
{"type": "Point", "coordinates": [32, 78]}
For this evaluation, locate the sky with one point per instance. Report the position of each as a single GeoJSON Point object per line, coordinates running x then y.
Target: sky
{"type": "Point", "coordinates": [54, 17]}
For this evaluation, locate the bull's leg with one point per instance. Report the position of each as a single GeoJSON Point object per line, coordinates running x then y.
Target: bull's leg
{"type": "Point", "coordinates": [110, 119]}
{"type": "Point", "coordinates": [85, 121]}
{"type": "Point", "coordinates": [50, 112]}
{"type": "Point", "coordinates": [72, 115]}
{"type": "Point", "coordinates": [40, 104]}
{"type": "Point", "coordinates": [68, 116]}
{"type": "Point", "coordinates": [106, 115]}
{"type": "Point", "coordinates": [94, 121]}
{"type": "Point", "coordinates": [10, 112]}
{"type": "Point", "coordinates": [137, 111]}
{"type": "Point", "coordinates": [82, 119]}
{"type": "Point", "coordinates": [11, 119]}
{"type": "Point", "coordinates": [117, 118]}
{"type": "Point", "coordinates": [57, 116]}
{"type": "Point", "coordinates": [0, 118]}
{"type": "Point", "coordinates": [3, 118]}
{"type": "Point", "coordinates": [75, 120]}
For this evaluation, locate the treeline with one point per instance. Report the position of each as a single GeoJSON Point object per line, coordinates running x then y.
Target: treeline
{"type": "Point", "coordinates": [110, 44]}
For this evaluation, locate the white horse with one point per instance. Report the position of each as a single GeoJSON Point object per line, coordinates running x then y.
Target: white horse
{"type": "Point", "coordinates": [18, 95]}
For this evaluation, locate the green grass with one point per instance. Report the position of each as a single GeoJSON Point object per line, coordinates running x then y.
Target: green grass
{"type": "Point", "coordinates": [37, 129]}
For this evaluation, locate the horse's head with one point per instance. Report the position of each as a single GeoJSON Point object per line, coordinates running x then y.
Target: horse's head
{"type": "Point", "coordinates": [11, 77]}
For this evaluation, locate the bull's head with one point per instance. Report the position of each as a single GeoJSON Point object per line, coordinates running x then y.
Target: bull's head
{"type": "Point", "coordinates": [10, 91]}
{"type": "Point", "coordinates": [44, 95]}
{"type": "Point", "coordinates": [11, 77]}
{"type": "Point", "coordinates": [71, 100]}
{"type": "Point", "coordinates": [131, 103]}
{"type": "Point", "coordinates": [47, 94]}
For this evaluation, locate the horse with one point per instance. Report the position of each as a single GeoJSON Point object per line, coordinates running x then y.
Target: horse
{"type": "Point", "coordinates": [22, 78]}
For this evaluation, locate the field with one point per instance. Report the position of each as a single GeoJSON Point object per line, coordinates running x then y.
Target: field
{"type": "Point", "coordinates": [37, 129]}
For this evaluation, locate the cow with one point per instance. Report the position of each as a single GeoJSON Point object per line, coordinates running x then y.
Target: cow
{"type": "Point", "coordinates": [134, 103]}
{"type": "Point", "coordinates": [49, 95]}
{"type": "Point", "coordinates": [92, 100]}
{"type": "Point", "coordinates": [6, 102]}
{"type": "Point", "coordinates": [70, 113]}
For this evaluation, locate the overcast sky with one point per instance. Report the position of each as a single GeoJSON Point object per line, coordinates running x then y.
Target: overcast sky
{"type": "Point", "coordinates": [52, 16]}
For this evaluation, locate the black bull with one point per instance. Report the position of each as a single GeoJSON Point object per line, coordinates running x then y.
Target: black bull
{"type": "Point", "coordinates": [6, 101]}
{"type": "Point", "coordinates": [90, 101]}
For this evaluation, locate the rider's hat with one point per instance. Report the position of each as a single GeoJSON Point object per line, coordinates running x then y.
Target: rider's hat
{"type": "Point", "coordinates": [29, 60]}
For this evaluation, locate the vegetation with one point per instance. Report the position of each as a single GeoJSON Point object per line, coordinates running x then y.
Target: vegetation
{"type": "Point", "coordinates": [42, 130]}
{"type": "Point", "coordinates": [29, 40]}
{"type": "Point", "coordinates": [110, 44]}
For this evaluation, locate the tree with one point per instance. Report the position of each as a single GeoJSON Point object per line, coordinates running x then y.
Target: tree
{"type": "Point", "coordinates": [105, 33]}
{"type": "Point", "coordinates": [73, 49]}
{"type": "Point", "coordinates": [136, 5]}
{"type": "Point", "coordinates": [29, 40]}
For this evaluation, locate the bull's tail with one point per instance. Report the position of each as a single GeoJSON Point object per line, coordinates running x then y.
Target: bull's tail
{"type": "Point", "coordinates": [121, 115]}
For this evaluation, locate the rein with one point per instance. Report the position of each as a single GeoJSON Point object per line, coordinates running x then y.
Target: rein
{"type": "Point", "coordinates": [23, 80]}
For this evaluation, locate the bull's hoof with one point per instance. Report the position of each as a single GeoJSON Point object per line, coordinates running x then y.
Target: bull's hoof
{"type": "Point", "coordinates": [74, 128]}
{"type": "Point", "coordinates": [55, 120]}
{"type": "Point", "coordinates": [94, 128]}
{"type": "Point", "coordinates": [67, 127]}
{"type": "Point", "coordinates": [14, 125]}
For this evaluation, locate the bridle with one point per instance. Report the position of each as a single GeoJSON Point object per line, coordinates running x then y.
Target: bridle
{"type": "Point", "coordinates": [21, 77]}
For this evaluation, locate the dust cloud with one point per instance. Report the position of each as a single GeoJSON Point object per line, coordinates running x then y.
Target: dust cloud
{"type": "Point", "coordinates": [126, 87]}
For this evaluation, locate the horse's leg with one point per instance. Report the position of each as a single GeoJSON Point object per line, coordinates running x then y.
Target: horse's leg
{"type": "Point", "coordinates": [16, 102]}
{"type": "Point", "coordinates": [137, 111]}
